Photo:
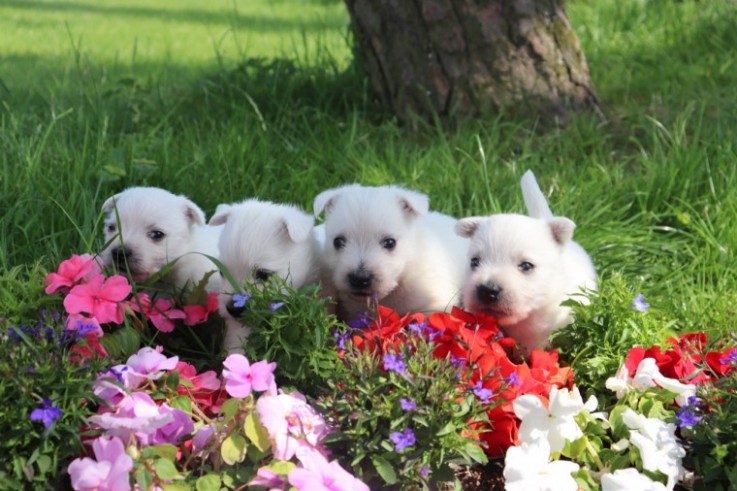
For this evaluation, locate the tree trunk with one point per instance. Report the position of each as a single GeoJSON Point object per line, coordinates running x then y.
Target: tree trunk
{"type": "Point", "coordinates": [467, 58]}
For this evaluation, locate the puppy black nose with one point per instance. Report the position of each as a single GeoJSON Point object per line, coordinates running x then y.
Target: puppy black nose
{"type": "Point", "coordinates": [488, 293]}
{"type": "Point", "coordinates": [360, 280]}
{"type": "Point", "coordinates": [119, 256]}
{"type": "Point", "coordinates": [233, 310]}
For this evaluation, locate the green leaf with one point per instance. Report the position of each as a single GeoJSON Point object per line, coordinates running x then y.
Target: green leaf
{"type": "Point", "coordinates": [165, 451]}
{"type": "Point", "coordinates": [233, 449]}
{"type": "Point", "coordinates": [281, 467]}
{"type": "Point", "coordinates": [575, 448]}
{"type": "Point", "coordinates": [256, 432]}
{"type": "Point", "coordinates": [165, 469]}
{"type": "Point", "coordinates": [183, 403]}
{"type": "Point", "coordinates": [208, 482]}
{"type": "Point", "coordinates": [475, 453]}
{"type": "Point", "coordinates": [229, 409]}
{"type": "Point", "coordinates": [447, 429]}
{"type": "Point", "coordinates": [144, 478]}
{"type": "Point", "coordinates": [385, 469]}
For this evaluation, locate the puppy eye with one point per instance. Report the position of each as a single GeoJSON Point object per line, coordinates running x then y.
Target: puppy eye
{"type": "Point", "coordinates": [388, 243]}
{"type": "Point", "coordinates": [525, 267]}
{"type": "Point", "coordinates": [156, 235]}
{"type": "Point", "coordinates": [475, 261]}
{"type": "Point", "coordinates": [111, 228]}
{"type": "Point", "coordinates": [339, 242]}
{"type": "Point", "coordinates": [262, 274]}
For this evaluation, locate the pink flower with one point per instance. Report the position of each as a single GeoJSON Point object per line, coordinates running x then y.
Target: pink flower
{"type": "Point", "coordinates": [108, 384]}
{"type": "Point", "coordinates": [100, 298]}
{"type": "Point", "coordinates": [203, 437]}
{"type": "Point", "coordinates": [268, 479]}
{"type": "Point", "coordinates": [242, 378]}
{"type": "Point", "coordinates": [197, 314]}
{"type": "Point", "coordinates": [136, 415]}
{"type": "Point", "coordinates": [290, 422]}
{"type": "Point", "coordinates": [317, 474]}
{"type": "Point", "coordinates": [175, 431]}
{"type": "Point", "coordinates": [161, 313]}
{"type": "Point", "coordinates": [109, 472]}
{"type": "Point", "coordinates": [77, 269]}
{"type": "Point", "coordinates": [150, 364]}
{"type": "Point", "coordinates": [205, 389]}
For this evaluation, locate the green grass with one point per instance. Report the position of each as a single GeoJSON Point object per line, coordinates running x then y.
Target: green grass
{"type": "Point", "coordinates": [258, 99]}
{"type": "Point", "coordinates": [226, 100]}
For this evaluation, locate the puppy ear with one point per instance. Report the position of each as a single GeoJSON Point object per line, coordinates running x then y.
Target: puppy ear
{"type": "Point", "coordinates": [222, 212]}
{"type": "Point", "coordinates": [562, 229]}
{"type": "Point", "coordinates": [466, 227]}
{"type": "Point", "coordinates": [297, 224]}
{"type": "Point", "coordinates": [413, 202]}
{"type": "Point", "coordinates": [193, 213]}
{"type": "Point", "coordinates": [109, 203]}
{"type": "Point", "coordinates": [325, 201]}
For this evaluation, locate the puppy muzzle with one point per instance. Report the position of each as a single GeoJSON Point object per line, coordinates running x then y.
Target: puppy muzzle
{"type": "Point", "coordinates": [488, 294]}
{"type": "Point", "coordinates": [360, 281]}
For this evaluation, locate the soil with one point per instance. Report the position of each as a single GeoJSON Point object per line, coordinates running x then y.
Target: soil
{"type": "Point", "coordinates": [486, 478]}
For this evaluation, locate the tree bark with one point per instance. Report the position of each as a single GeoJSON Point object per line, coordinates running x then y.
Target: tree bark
{"type": "Point", "coordinates": [469, 58]}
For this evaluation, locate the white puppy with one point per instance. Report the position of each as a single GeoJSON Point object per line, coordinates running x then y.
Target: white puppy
{"type": "Point", "coordinates": [381, 243]}
{"type": "Point", "coordinates": [146, 228]}
{"type": "Point", "coordinates": [521, 268]}
{"type": "Point", "coordinates": [261, 239]}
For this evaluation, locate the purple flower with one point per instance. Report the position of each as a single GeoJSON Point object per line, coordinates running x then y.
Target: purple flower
{"type": "Point", "coordinates": [276, 306]}
{"type": "Point", "coordinates": [457, 362]}
{"type": "Point", "coordinates": [687, 416]}
{"type": "Point", "coordinates": [240, 299]}
{"type": "Point", "coordinates": [513, 380]}
{"type": "Point", "coordinates": [47, 414]}
{"type": "Point", "coordinates": [482, 393]}
{"type": "Point", "coordinates": [340, 339]}
{"type": "Point", "coordinates": [395, 363]}
{"type": "Point", "coordinates": [402, 439]}
{"type": "Point", "coordinates": [407, 404]}
{"type": "Point", "coordinates": [424, 471]}
{"type": "Point", "coordinates": [639, 304]}
{"type": "Point", "coordinates": [363, 321]}
{"type": "Point", "coordinates": [729, 359]}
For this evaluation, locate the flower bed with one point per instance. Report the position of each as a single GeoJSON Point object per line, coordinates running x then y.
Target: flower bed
{"type": "Point", "coordinates": [390, 401]}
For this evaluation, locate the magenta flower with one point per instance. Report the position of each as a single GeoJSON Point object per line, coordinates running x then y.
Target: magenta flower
{"type": "Point", "coordinates": [100, 298]}
{"type": "Point", "coordinates": [77, 269]}
{"type": "Point", "coordinates": [109, 471]}
{"type": "Point", "coordinates": [317, 474]}
{"type": "Point", "coordinates": [290, 422]}
{"type": "Point", "coordinates": [175, 431]}
{"type": "Point", "coordinates": [150, 364]}
{"type": "Point", "coordinates": [242, 378]}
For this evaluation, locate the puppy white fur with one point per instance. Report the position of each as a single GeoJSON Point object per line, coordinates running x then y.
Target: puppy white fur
{"type": "Point", "coordinates": [261, 239]}
{"type": "Point", "coordinates": [147, 228]}
{"type": "Point", "coordinates": [521, 268]}
{"type": "Point", "coordinates": [382, 242]}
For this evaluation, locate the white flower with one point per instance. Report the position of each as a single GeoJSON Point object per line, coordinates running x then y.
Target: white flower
{"type": "Point", "coordinates": [629, 480]}
{"type": "Point", "coordinates": [555, 423]}
{"type": "Point", "coordinates": [646, 376]}
{"type": "Point", "coordinates": [528, 468]}
{"type": "Point", "coordinates": [659, 447]}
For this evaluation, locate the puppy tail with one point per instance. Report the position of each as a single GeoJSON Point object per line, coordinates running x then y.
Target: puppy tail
{"type": "Point", "coordinates": [537, 205]}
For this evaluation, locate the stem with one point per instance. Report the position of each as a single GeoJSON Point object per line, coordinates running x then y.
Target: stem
{"type": "Point", "coordinates": [590, 448]}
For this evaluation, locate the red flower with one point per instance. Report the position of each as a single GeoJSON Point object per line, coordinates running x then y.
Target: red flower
{"type": "Point", "coordinates": [100, 298]}
{"type": "Point", "coordinates": [87, 348]}
{"type": "Point", "coordinates": [205, 388]}
{"type": "Point", "coordinates": [197, 314]}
